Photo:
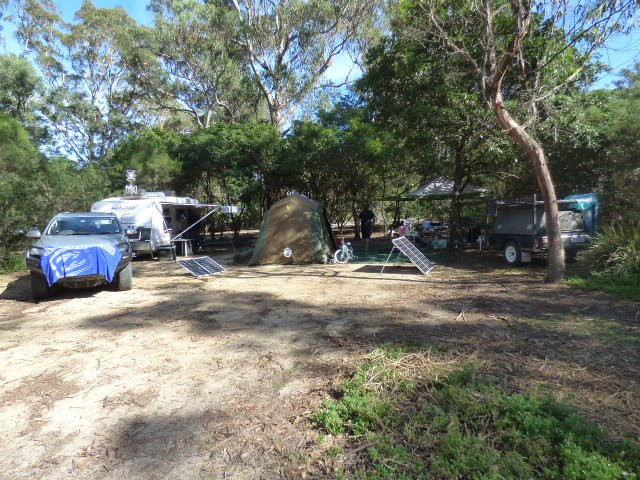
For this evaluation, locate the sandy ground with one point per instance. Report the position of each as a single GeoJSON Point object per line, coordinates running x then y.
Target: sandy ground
{"type": "Point", "coordinates": [185, 378]}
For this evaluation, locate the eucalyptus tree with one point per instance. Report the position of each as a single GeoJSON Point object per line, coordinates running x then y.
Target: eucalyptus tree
{"type": "Point", "coordinates": [91, 101]}
{"type": "Point", "coordinates": [290, 44]}
{"type": "Point", "coordinates": [436, 111]}
{"type": "Point", "coordinates": [36, 22]}
{"type": "Point", "coordinates": [3, 7]}
{"type": "Point", "coordinates": [494, 40]}
{"type": "Point", "coordinates": [187, 64]}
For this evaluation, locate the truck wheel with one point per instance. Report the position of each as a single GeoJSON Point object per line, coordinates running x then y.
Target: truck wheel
{"type": "Point", "coordinates": [40, 289]}
{"type": "Point", "coordinates": [572, 255]}
{"type": "Point", "coordinates": [124, 279]}
{"type": "Point", "coordinates": [512, 254]}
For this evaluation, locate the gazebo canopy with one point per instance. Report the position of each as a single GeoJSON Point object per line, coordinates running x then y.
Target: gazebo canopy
{"type": "Point", "coordinates": [441, 188]}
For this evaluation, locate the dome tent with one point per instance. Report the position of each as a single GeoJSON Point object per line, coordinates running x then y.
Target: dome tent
{"type": "Point", "coordinates": [299, 224]}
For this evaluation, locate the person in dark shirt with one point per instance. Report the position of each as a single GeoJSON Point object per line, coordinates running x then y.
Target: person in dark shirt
{"type": "Point", "coordinates": [367, 219]}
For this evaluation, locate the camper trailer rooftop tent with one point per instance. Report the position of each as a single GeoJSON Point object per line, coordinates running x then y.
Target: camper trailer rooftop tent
{"type": "Point", "coordinates": [157, 221]}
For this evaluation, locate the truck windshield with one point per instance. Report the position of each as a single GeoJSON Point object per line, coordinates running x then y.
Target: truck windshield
{"type": "Point", "coordinates": [84, 226]}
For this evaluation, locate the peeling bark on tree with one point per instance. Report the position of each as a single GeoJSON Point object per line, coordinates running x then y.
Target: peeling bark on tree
{"type": "Point", "coordinates": [535, 152]}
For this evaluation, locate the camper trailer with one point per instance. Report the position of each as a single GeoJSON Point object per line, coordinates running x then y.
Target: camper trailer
{"type": "Point", "coordinates": [519, 226]}
{"type": "Point", "coordinates": [156, 221]}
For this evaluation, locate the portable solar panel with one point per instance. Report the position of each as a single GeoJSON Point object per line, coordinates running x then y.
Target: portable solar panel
{"type": "Point", "coordinates": [412, 253]}
{"type": "Point", "coordinates": [201, 266]}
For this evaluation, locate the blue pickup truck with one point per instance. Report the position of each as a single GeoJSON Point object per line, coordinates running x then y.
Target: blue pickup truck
{"type": "Point", "coordinates": [79, 250]}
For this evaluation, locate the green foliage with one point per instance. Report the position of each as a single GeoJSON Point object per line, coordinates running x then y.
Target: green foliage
{"type": "Point", "coordinates": [91, 101]}
{"type": "Point", "coordinates": [615, 251]}
{"type": "Point", "coordinates": [344, 160]}
{"type": "Point", "coordinates": [36, 22]}
{"type": "Point", "coordinates": [357, 412]}
{"type": "Point", "coordinates": [150, 153]}
{"type": "Point", "coordinates": [627, 287]}
{"type": "Point", "coordinates": [291, 43]}
{"type": "Point", "coordinates": [434, 107]}
{"type": "Point", "coordinates": [188, 64]}
{"type": "Point", "coordinates": [20, 178]}
{"type": "Point", "coordinates": [458, 427]}
{"type": "Point", "coordinates": [19, 82]}
{"type": "Point", "coordinates": [614, 115]}
{"type": "Point", "coordinates": [11, 262]}
{"type": "Point", "coordinates": [233, 164]}
{"type": "Point", "coordinates": [33, 188]}
{"type": "Point", "coordinates": [70, 187]}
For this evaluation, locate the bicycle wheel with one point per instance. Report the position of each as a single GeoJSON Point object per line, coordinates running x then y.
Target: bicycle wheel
{"type": "Point", "coordinates": [341, 256]}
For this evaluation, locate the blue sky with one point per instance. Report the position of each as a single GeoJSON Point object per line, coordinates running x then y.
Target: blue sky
{"type": "Point", "coordinates": [621, 52]}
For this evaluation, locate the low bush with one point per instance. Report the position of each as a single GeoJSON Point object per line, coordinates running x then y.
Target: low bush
{"type": "Point", "coordinates": [627, 287]}
{"type": "Point", "coordinates": [615, 251]}
{"type": "Point", "coordinates": [11, 262]}
{"type": "Point", "coordinates": [412, 422]}
{"type": "Point", "coordinates": [612, 263]}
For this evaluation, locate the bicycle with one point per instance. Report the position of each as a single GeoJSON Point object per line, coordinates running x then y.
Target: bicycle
{"type": "Point", "coordinates": [344, 253]}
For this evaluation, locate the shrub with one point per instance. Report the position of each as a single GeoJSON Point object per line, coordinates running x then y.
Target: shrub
{"type": "Point", "coordinates": [11, 262]}
{"type": "Point", "coordinates": [615, 251]}
{"type": "Point", "coordinates": [418, 422]}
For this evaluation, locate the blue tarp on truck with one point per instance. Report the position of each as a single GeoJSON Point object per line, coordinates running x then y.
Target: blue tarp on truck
{"type": "Point", "coordinates": [587, 202]}
{"type": "Point", "coordinates": [57, 263]}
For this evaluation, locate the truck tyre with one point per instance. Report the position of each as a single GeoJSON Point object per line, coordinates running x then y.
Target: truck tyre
{"type": "Point", "coordinates": [512, 254]}
{"type": "Point", "coordinates": [124, 279]}
{"type": "Point", "coordinates": [40, 289]}
{"type": "Point", "coordinates": [572, 255]}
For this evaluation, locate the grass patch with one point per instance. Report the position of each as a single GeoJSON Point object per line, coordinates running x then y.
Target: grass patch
{"type": "Point", "coordinates": [627, 287]}
{"type": "Point", "coordinates": [11, 262]}
{"type": "Point", "coordinates": [415, 418]}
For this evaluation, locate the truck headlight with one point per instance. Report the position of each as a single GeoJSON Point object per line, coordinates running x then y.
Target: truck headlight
{"type": "Point", "coordinates": [123, 247]}
{"type": "Point", "coordinates": [34, 252]}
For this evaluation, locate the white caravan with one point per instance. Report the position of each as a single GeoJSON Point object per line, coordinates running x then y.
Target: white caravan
{"type": "Point", "coordinates": [156, 220]}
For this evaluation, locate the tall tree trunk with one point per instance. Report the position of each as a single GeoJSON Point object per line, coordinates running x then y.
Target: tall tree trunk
{"type": "Point", "coordinates": [396, 214]}
{"type": "Point", "coordinates": [356, 222]}
{"type": "Point", "coordinates": [455, 213]}
{"type": "Point", "coordinates": [535, 152]}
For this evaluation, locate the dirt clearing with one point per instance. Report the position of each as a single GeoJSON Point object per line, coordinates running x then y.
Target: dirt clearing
{"type": "Point", "coordinates": [186, 378]}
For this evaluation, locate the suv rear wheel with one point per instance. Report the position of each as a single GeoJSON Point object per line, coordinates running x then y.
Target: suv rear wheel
{"type": "Point", "coordinates": [512, 254]}
{"type": "Point", "coordinates": [40, 289]}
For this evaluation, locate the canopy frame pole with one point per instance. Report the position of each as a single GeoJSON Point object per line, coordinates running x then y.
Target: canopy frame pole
{"type": "Point", "coordinates": [194, 224]}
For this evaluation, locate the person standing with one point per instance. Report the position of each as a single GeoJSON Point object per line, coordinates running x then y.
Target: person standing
{"type": "Point", "coordinates": [367, 219]}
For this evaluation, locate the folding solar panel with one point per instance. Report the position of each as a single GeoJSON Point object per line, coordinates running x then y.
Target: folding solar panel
{"type": "Point", "coordinates": [201, 266]}
{"type": "Point", "coordinates": [413, 254]}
